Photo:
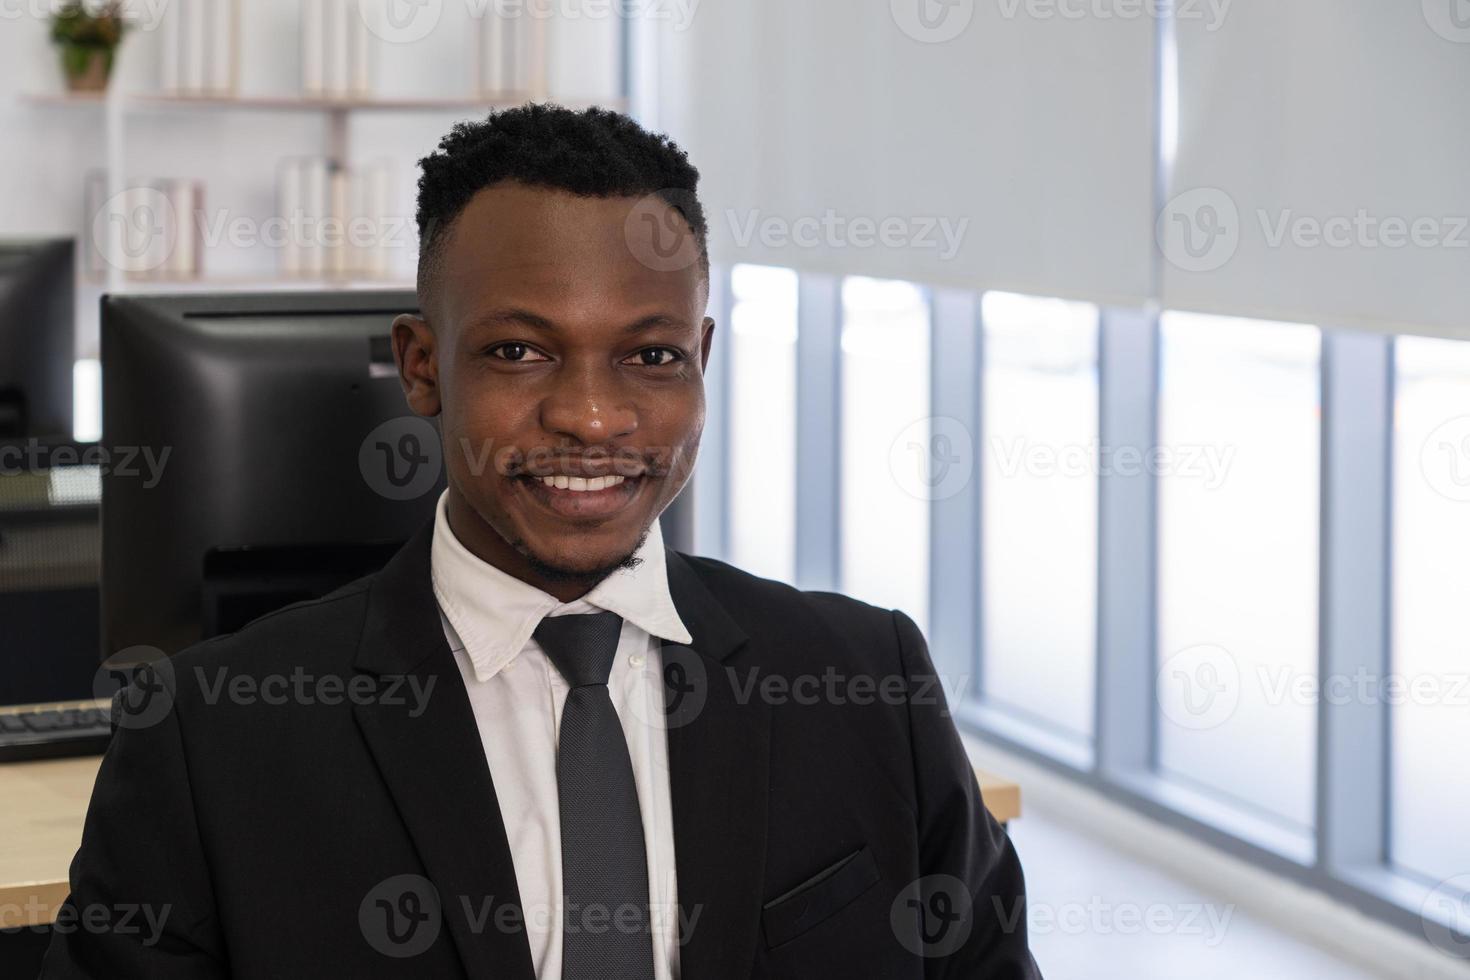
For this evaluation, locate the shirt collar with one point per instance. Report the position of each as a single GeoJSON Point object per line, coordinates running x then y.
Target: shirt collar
{"type": "Point", "coordinates": [494, 613]}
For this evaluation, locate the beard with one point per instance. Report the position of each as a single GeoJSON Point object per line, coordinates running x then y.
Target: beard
{"type": "Point", "coordinates": [587, 577]}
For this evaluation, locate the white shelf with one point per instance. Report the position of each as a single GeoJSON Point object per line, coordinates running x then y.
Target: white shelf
{"type": "Point", "coordinates": [65, 98]}
{"type": "Point", "coordinates": [141, 114]}
{"type": "Point", "coordinates": [305, 103]}
{"type": "Point", "coordinates": [164, 101]}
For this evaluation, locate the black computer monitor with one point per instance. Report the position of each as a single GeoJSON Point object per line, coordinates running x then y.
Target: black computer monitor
{"type": "Point", "coordinates": [293, 464]}
{"type": "Point", "coordinates": [37, 337]}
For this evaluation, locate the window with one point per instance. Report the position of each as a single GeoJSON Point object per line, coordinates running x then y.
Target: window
{"type": "Point", "coordinates": [1238, 477]}
{"type": "Point", "coordinates": [885, 445]}
{"type": "Point", "coordinates": [1430, 702]}
{"type": "Point", "coordinates": [1039, 469]}
{"type": "Point", "coordinates": [762, 419]}
{"type": "Point", "coordinates": [87, 400]}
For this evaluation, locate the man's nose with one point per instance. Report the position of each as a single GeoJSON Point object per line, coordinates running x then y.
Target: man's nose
{"type": "Point", "coordinates": [590, 407]}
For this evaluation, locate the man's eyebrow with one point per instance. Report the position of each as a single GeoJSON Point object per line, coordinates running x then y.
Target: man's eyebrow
{"type": "Point", "coordinates": [514, 315]}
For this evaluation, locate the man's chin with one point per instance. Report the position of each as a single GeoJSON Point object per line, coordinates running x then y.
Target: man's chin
{"type": "Point", "coordinates": [583, 570]}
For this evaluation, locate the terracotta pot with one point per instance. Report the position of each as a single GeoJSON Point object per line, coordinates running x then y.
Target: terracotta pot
{"type": "Point", "coordinates": [87, 68]}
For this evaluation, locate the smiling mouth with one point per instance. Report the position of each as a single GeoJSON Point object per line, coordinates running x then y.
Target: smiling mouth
{"type": "Point", "coordinates": [597, 497]}
{"type": "Point", "coordinates": [580, 484]}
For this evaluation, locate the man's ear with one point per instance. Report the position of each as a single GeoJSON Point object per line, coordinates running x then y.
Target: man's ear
{"type": "Point", "coordinates": [706, 341]}
{"type": "Point", "coordinates": [418, 363]}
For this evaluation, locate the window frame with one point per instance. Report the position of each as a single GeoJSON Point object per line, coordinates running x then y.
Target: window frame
{"type": "Point", "coordinates": [1347, 857]}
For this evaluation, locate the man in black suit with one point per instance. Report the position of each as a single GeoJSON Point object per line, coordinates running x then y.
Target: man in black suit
{"type": "Point", "coordinates": [537, 744]}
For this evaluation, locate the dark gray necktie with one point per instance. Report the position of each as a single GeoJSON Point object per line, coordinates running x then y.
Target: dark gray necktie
{"type": "Point", "coordinates": [604, 867]}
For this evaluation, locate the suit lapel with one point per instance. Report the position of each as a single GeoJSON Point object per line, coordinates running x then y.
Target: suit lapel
{"type": "Point", "coordinates": [435, 767]}
{"type": "Point", "coordinates": [719, 742]}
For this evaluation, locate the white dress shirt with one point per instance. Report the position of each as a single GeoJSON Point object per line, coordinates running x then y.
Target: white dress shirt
{"type": "Point", "coordinates": [517, 696]}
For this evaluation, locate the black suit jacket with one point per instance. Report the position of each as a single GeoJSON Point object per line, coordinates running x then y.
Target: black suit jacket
{"type": "Point", "coordinates": [309, 798]}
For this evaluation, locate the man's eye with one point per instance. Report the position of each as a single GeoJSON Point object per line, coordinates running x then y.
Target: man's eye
{"type": "Point", "coordinates": [515, 351]}
{"type": "Point", "coordinates": [657, 356]}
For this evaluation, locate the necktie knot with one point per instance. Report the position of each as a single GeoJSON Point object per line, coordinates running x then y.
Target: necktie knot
{"type": "Point", "coordinates": [581, 647]}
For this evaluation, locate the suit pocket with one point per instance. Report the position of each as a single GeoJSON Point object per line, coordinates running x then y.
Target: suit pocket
{"type": "Point", "coordinates": [819, 897]}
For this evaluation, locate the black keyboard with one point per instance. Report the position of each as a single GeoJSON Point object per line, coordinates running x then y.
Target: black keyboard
{"type": "Point", "coordinates": [54, 731]}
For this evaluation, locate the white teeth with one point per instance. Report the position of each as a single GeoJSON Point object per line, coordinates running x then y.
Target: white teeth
{"type": "Point", "coordinates": [579, 484]}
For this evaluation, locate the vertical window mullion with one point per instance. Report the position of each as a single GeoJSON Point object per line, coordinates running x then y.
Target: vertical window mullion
{"type": "Point", "coordinates": [1127, 709]}
{"type": "Point", "coordinates": [954, 525]}
{"type": "Point", "coordinates": [818, 429]}
{"type": "Point", "coordinates": [1352, 763]}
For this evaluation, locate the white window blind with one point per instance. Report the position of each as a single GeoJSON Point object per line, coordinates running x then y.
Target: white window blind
{"type": "Point", "coordinates": [849, 138]}
{"type": "Point", "coordinates": [1321, 165]}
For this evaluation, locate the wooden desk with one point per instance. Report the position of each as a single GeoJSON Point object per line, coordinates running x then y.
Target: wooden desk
{"type": "Point", "coordinates": [40, 828]}
{"type": "Point", "coordinates": [45, 803]}
{"type": "Point", "coordinates": [1002, 797]}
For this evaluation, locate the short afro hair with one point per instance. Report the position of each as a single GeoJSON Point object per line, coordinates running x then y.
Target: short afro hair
{"type": "Point", "coordinates": [590, 153]}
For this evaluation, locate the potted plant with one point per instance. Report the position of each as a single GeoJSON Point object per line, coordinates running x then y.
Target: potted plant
{"type": "Point", "coordinates": [87, 36]}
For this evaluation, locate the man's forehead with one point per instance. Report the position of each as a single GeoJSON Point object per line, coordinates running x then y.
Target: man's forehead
{"type": "Point", "coordinates": [527, 244]}
{"type": "Point", "coordinates": [508, 222]}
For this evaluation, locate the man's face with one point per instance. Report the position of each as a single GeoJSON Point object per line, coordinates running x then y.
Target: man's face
{"type": "Point", "coordinates": [552, 350]}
